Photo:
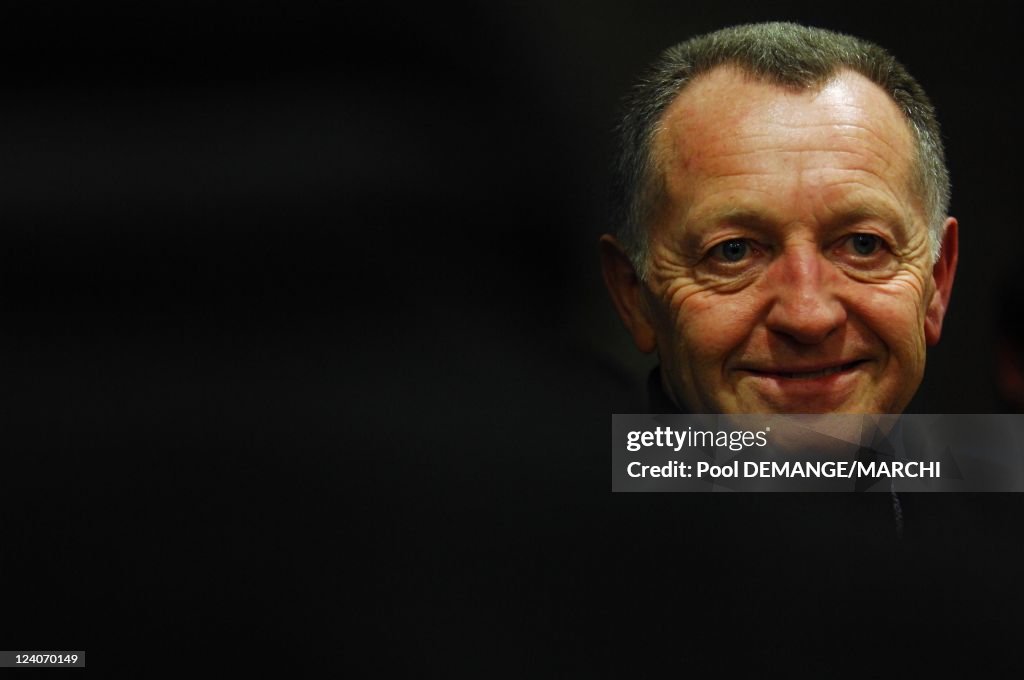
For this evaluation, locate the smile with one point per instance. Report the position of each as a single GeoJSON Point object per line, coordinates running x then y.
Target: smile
{"type": "Point", "coordinates": [807, 387]}
{"type": "Point", "coordinates": [809, 375]}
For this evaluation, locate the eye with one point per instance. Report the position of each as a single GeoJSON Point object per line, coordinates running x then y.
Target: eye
{"type": "Point", "coordinates": [865, 244]}
{"type": "Point", "coordinates": [732, 250]}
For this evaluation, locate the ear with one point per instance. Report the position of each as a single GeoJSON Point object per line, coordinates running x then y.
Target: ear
{"type": "Point", "coordinates": [626, 290]}
{"type": "Point", "coordinates": [942, 276]}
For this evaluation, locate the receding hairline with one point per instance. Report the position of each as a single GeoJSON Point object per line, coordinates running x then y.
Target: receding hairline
{"type": "Point", "coordinates": [790, 56]}
{"type": "Point", "coordinates": [661, 150]}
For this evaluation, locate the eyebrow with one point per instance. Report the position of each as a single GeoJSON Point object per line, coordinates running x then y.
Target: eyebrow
{"type": "Point", "coordinates": [741, 216]}
{"type": "Point", "coordinates": [756, 219]}
{"type": "Point", "coordinates": [693, 229]}
{"type": "Point", "coordinates": [863, 213]}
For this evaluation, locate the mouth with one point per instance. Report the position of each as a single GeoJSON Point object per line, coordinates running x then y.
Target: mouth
{"type": "Point", "coordinates": [812, 374]}
{"type": "Point", "coordinates": [819, 374]}
{"type": "Point", "coordinates": [806, 387]}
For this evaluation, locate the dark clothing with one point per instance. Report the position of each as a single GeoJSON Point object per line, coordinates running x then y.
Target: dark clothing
{"type": "Point", "coordinates": [868, 566]}
{"type": "Point", "coordinates": [659, 401]}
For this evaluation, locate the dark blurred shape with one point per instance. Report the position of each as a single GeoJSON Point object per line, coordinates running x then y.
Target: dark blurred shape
{"type": "Point", "coordinates": [1009, 339]}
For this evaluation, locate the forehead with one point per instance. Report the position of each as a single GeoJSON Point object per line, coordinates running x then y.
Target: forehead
{"type": "Point", "coordinates": [726, 112]}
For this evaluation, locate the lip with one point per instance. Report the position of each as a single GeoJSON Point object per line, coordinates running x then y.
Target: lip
{"type": "Point", "coordinates": [804, 372]}
{"type": "Point", "coordinates": [808, 388]}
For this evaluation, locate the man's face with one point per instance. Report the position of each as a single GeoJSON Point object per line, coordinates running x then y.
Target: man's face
{"type": "Point", "coordinates": [789, 264]}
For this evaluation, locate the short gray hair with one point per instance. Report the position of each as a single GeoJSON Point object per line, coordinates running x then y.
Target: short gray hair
{"type": "Point", "coordinates": [785, 54]}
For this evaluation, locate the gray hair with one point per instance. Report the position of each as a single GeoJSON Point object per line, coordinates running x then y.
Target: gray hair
{"type": "Point", "coordinates": [785, 54]}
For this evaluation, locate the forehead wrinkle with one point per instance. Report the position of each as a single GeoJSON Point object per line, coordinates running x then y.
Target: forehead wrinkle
{"type": "Point", "coordinates": [749, 218]}
{"type": "Point", "coordinates": [903, 134]}
{"type": "Point", "coordinates": [687, 136]}
{"type": "Point", "coordinates": [852, 209]}
{"type": "Point", "coordinates": [680, 155]}
{"type": "Point", "coordinates": [779, 151]}
{"type": "Point", "coordinates": [845, 131]}
{"type": "Point", "coordinates": [862, 166]}
{"type": "Point", "coordinates": [849, 211]}
{"type": "Point", "coordinates": [785, 100]}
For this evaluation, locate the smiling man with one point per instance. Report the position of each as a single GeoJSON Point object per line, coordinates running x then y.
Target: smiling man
{"type": "Point", "coordinates": [782, 239]}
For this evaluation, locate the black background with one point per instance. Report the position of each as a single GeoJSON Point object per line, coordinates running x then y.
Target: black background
{"type": "Point", "coordinates": [306, 352]}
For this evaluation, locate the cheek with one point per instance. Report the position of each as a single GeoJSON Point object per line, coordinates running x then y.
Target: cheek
{"type": "Point", "coordinates": [715, 325]}
{"type": "Point", "coordinates": [895, 313]}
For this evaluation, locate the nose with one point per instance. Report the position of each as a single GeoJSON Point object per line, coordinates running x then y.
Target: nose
{"type": "Point", "coordinates": [804, 305]}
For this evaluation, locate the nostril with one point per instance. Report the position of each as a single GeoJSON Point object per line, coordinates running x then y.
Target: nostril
{"type": "Point", "coordinates": [806, 321]}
